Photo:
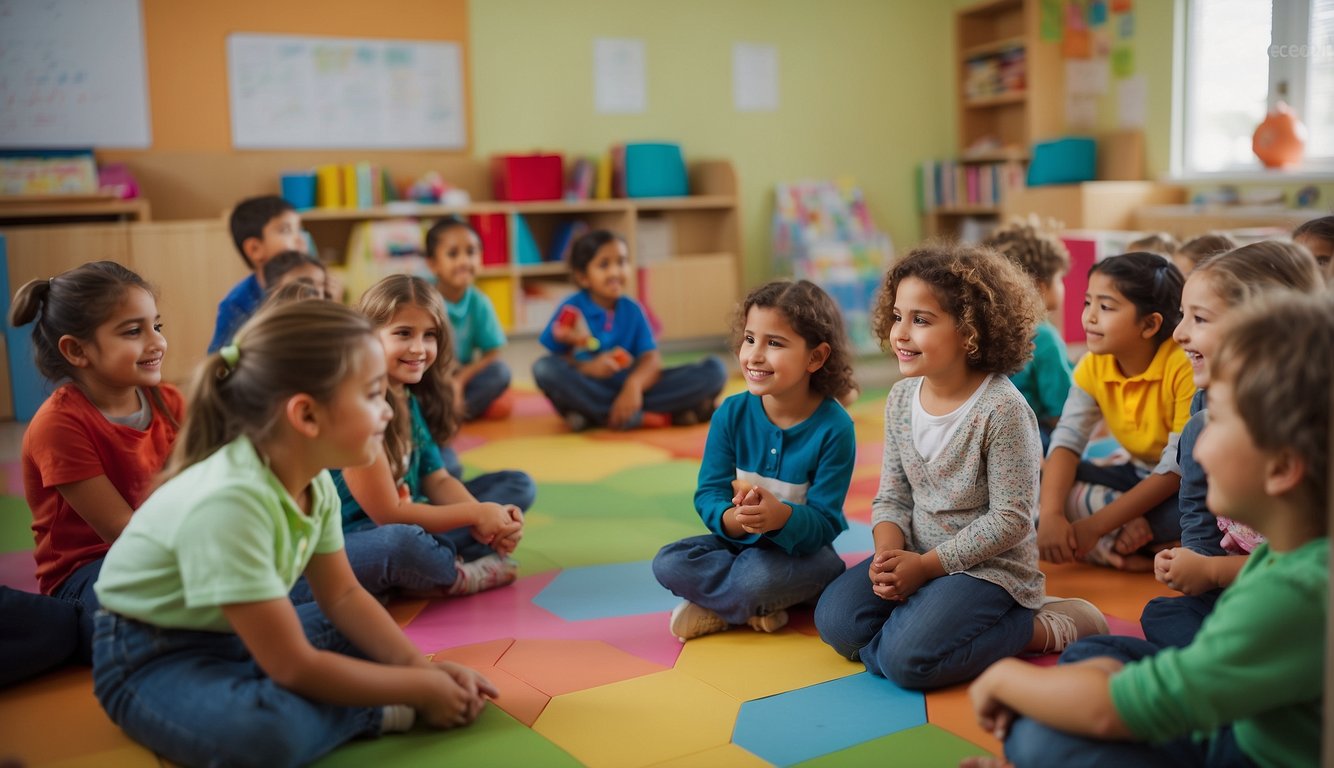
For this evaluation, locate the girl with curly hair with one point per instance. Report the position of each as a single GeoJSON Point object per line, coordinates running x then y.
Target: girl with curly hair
{"type": "Point", "coordinates": [775, 471]}
{"type": "Point", "coordinates": [1137, 381]}
{"type": "Point", "coordinates": [954, 583]}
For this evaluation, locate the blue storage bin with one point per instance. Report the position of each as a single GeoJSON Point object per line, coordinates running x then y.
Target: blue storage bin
{"type": "Point", "coordinates": [655, 170]}
{"type": "Point", "coordinates": [1063, 161]}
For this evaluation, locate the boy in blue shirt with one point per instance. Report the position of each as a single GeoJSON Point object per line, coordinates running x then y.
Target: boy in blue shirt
{"type": "Point", "coordinates": [605, 368]}
{"type": "Point", "coordinates": [262, 227]}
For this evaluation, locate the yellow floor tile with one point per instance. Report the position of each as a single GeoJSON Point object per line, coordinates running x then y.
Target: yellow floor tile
{"type": "Point", "coordinates": [751, 665]}
{"type": "Point", "coordinates": [564, 458]}
{"type": "Point", "coordinates": [56, 718]}
{"type": "Point", "coordinates": [726, 756]}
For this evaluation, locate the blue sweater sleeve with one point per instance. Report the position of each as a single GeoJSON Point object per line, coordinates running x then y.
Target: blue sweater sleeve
{"type": "Point", "coordinates": [816, 523]}
{"type": "Point", "coordinates": [717, 470]}
{"type": "Point", "coordinates": [1199, 527]}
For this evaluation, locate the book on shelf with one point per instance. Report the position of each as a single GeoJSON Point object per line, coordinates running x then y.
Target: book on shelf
{"type": "Point", "coordinates": [954, 184]}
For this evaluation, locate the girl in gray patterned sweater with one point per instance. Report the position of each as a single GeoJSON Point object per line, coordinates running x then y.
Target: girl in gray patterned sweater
{"type": "Point", "coordinates": [954, 583]}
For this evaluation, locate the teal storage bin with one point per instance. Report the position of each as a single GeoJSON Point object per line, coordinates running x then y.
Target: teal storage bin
{"type": "Point", "coordinates": [655, 170]}
{"type": "Point", "coordinates": [1063, 161]}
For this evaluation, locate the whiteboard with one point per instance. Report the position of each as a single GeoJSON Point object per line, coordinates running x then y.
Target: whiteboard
{"type": "Point", "coordinates": [72, 74]}
{"type": "Point", "coordinates": [298, 92]}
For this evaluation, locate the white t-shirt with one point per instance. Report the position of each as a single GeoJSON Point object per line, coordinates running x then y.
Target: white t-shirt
{"type": "Point", "coordinates": [931, 433]}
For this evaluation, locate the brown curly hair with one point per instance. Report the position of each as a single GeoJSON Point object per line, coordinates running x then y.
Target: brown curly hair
{"type": "Point", "coordinates": [816, 319]}
{"type": "Point", "coordinates": [1037, 252]}
{"type": "Point", "coordinates": [994, 304]}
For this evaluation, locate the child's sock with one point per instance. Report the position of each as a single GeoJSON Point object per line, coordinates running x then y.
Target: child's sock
{"type": "Point", "coordinates": [1068, 619]}
{"type": "Point", "coordinates": [397, 718]}
{"type": "Point", "coordinates": [690, 621]}
{"type": "Point", "coordinates": [482, 574]}
{"type": "Point", "coordinates": [577, 422]}
{"type": "Point", "coordinates": [654, 420]}
{"type": "Point", "coordinates": [769, 622]}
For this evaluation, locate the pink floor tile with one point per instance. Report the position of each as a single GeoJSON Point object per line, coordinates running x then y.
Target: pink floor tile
{"type": "Point", "coordinates": [17, 570]}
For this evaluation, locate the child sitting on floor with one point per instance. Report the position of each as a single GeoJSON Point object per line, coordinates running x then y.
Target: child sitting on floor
{"type": "Point", "coordinates": [1248, 689]}
{"type": "Point", "coordinates": [262, 227]}
{"type": "Point", "coordinates": [775, 470]}
{"type": "Point", "coordinates": [610, 373]}
{"type": "Point", "coordinates": [1213, 550]}
{"type": "Point", "coordinates": [954, 583]}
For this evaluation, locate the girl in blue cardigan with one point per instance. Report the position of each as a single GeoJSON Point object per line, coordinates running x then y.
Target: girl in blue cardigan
{"type": "Point", "coordinates": [776, 468]}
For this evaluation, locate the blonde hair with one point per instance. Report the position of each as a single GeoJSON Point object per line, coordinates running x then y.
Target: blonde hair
{"type": "Point", "coordinates": [1275, 351]}
{"type": "Point", "coordinates": [1242, 273]}
{"type": "Point", "coordinates": [435, 392]}
{"type": "Point", "coordinates": [994, 304]}
{"type": "Point", "coordinates": [305, 347]}
{"type": "Point", "coordinates": [1199, 248]}
{"type": "Point", "coordinates": [1039, 253]}
{"type": "Point", "coordinates": [1160, 243]}
{"type": "Point", "coordinates": [816, 319]}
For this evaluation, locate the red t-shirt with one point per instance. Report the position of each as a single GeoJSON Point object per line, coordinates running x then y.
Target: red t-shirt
{"type": "Point", "coordinates": [69, 440]}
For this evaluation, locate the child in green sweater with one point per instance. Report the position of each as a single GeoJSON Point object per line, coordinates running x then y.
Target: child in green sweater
{"type": "Point", "coordinates": [1248, 689]}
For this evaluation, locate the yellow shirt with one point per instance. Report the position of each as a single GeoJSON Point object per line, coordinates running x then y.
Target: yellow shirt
{"type": "Point", "coordinates": [1141, 411]}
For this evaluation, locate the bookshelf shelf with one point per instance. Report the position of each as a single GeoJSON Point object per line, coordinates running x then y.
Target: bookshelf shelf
{"type": "Point", "coordinates": [999, 100]}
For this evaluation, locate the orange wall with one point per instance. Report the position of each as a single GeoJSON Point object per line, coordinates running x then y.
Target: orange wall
{"type": "Point", "coordinates": [186, 46]}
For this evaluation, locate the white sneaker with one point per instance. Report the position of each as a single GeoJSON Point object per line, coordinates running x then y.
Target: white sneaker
{"type": "Point", "coordinates": [1068, 619]}
{"type": "Point", "coordinates": [484, 573]}
{"type": "Point", "coordinates": [397, 718]}
{"type": "Point", "coordinates": [690, 621]}
{"type": "Point", "coordinates": [769, 622]}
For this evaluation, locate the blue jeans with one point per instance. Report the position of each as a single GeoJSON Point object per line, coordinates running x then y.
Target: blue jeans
{"type": "Point", "coordinates": [389, 559]}
{"type": "Point", "coordinates": [199, 698]}
{"type": "Point", "coordinates": [949, 631]}
{"type": "Point", "coordinates": [1031, 743]}
{"type": "Point", "coordinates": [1173, 622]}
{"type": "Point", "coordinates": [508, 486]}
{"type": "Point", "coordinates": [41, 632]}
{"type": "Point", "coordinates": [484, 388]}
{"type": "Point", "coordinates": [679, 389]}
{"type": "Point", "coordinates": [1164, 519]}
{"type": "Point", "coordinates": [738, 582]}
{"type": "Point", "coordinates": [77, 590]}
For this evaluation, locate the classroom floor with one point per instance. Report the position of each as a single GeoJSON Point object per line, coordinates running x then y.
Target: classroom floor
{"type": "Point", "coordinates": [579, 647]}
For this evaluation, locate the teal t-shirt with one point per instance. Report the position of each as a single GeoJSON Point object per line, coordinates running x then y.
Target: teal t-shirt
{"type": "Point", "coordinates": [224, 531]}
{"type": "Point", "coordinates": [1045, 381]}
{"type": "Point", "coordinates": [423, 459]}
{"type": "Point", "coordinates": [1258, 663]}
{"type": "Point", "coordinates": [475, 324]}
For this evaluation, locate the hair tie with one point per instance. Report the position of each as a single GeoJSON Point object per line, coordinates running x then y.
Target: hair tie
{"type": "Point", "coordinates": [230, 354]}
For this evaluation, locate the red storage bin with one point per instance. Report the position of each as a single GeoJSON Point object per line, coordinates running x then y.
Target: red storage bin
{"type": "Point", "coordinates": [528, 177]}
{"type": "Point", "coordinates": [493, 230]}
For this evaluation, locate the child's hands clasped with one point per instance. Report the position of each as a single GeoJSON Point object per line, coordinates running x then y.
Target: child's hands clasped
{"type": "Point", "coordinates": [759, 511]}
{"type": "Point", "coordinates": [505, 545]}
{"type": "Point", "coordinates": [458, 695]}
{"type": "Point", "coordinates": [897, 573]}
{"type": "Point", "coordinates": [496, 523]}
{"type": "Point", "coordinates": [1056, 539]}
{"type": "Point", "coordinates": [1184, 570]}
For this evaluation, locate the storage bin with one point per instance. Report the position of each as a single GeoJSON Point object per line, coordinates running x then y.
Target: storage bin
{"type": "Point", "coordinates": [528, 177]}
{"type": "Point", "coordinates": [1063, 161]}
{"type": "Point", "coordinates": [655, 170]}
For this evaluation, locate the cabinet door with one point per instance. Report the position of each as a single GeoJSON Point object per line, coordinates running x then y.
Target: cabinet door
{"type": "Point", "coordinates": [693, 296]}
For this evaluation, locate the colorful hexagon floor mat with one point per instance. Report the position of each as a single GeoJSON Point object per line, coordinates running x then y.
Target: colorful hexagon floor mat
{"type": "Point", "coordinates": [578, 647]}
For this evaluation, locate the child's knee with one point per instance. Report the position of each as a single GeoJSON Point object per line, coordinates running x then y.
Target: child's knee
{"type": "Point", "coordinates": [548, 370]}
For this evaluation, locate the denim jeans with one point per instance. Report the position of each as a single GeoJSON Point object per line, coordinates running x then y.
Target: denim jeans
{"type": "Point", "coordinates": [1030, 743]}
{"type": "Point", "coordinates": [949, 631]}
{"type": "Point", "coordinates": [508, 486]}
{"type": "Point", "coordinates": [390, 559]}
{"type": "Point", "coordinates": [1164, 519]}
{"type": "Point", "coordinates": [484, 388]}
{"type": "Point", "coordinates": [1173, 622]}
{"type": "Point", "coordinates": [738, 582]}
{"type": "Point", "coordinates": [77, 590]}
{"type": "Point", "coordinates": [678, 389]}
{"type": "Point", "coordinates": [199, 698]}
{"type": "Point", "coordinates": [40, 633]}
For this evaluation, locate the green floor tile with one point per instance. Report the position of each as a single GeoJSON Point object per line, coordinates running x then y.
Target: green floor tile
{"type": "Point", "coordinates": [532, 562]}
{"type": "Point", "coordinates": [925, 746]}
{"type": "Point", "coordinates": [574, 542]}
{"type": "Point", "coordinates": [15, 525]}
{"type": "Point", "coordinates": [675, 478]}
{"type": "Point", "coordinates": [495, 739]}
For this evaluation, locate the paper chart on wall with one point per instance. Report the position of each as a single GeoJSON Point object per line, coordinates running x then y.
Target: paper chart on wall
{"type": "Point", "coordinates": [72, 74]}
{"type": "Point", "coordinates": [324, 92]}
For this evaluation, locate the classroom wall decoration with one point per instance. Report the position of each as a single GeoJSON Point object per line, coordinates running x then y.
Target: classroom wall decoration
{"type": "Point", "coordinates": [72, 74]}
{"type": "Point", "coordinates": [291, 92]}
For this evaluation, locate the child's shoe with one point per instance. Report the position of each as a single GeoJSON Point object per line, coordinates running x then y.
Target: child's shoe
{"type": "Point", "coordinates": [577, 422]}
{"type": "Point", "coordinates": [1068, 619]}
{"type": "Point", "coordinates": [769, 622]}
{"type": "Point", "coordinates": [482, 574]}
{"type": "Point", "coordinates": [500, 408]}
{"type": "Point", "coordinates": [397, 718]}
{"type": "Point", "coordinates": [690, 621]}
{"type": "Point", "coordinates": [654, 420]}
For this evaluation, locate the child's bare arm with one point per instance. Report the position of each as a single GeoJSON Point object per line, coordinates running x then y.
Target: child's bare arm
{"type": "Point", "coordinates": [1055, 536]}
{"type": "Point", "coordinates": [466, 372]}
{"type": "Point", "coordinates": [100, 505]}
{"type": "Point", "coordinates": [374, 489]}
{"type": "Point", "coordinates": [1135, 502]}
{"type": "Point", "coordinates": [1075, 698]}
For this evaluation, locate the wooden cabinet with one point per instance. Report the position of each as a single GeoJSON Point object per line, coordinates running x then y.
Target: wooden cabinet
{"type": "Point", "coordinates": [1092, 204]}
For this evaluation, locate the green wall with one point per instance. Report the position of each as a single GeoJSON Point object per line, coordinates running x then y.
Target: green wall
{"type": "Point", "coordinates": [865, 89]}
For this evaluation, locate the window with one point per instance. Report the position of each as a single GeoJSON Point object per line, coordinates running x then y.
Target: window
{"type": "Point", "coordinates": [1243, 56]}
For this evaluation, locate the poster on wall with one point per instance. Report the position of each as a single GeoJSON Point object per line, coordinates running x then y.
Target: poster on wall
{"type": "Point", "coordinates": [72, 74]}
{"type": "Point", "coordinates": [291, 92]}
{"type": "Point", "coordinates": [618, 76]}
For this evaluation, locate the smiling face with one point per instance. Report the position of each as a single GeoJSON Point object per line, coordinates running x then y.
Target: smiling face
{"type": "Point", "coordinates": [604, 277]}
{"type": "Point", "coordinates": [925, 338]}
{"type": "Point", "coordinates": [126, 350]}
{"type": "Point", "coordinates": [455, 261]}
{"type": "Point", "coordinates": [411, 342]}
{"type": "Point", "coordinates": [775, 360]}
{"type": "Point", "coordinates": [1197, 333]}
{"type": "Point", "coordinates": [358, 412]}
{"type": "Point", "coordinates": [1111, 322]}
